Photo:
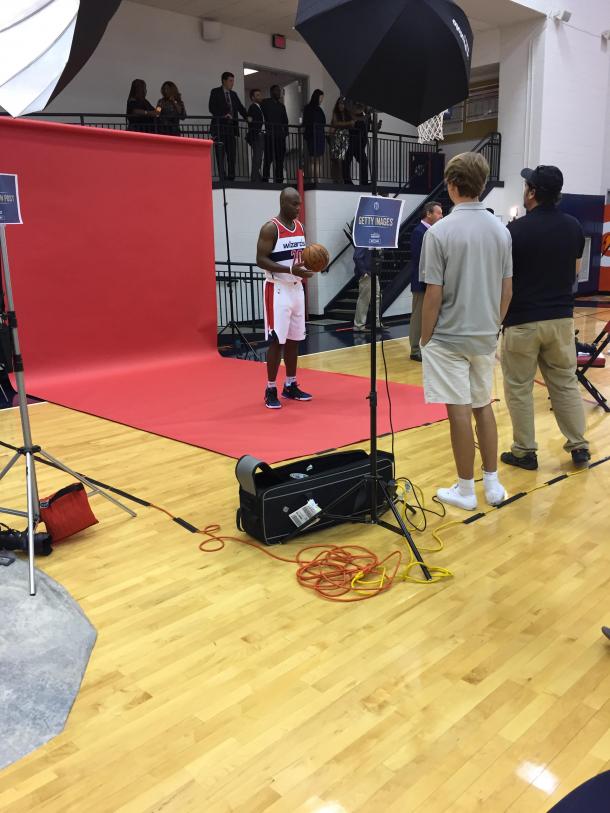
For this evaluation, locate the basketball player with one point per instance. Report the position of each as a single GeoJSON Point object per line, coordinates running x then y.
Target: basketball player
{"type": "Point", "coordinates": [280, 245]}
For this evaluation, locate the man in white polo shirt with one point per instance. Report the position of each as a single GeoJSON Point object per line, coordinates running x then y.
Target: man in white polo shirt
{"type": "Point", "coordinates": [466, 263]}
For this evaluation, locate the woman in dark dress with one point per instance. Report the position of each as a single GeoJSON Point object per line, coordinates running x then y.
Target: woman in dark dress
{"type": "Point", "coordinates": [314, 123]}
{"type": "Point", "coordinates": [341, 123]}
{"type": "Point", "coordinates": [171, 110]}
{"type": "Point", "coordinates": [141, 115]}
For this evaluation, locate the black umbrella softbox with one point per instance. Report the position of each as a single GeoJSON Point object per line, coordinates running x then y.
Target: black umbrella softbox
{"type": "Point", "coordinates": [408, 58]}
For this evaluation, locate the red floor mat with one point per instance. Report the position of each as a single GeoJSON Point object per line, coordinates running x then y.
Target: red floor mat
{"type": "Point", "coordinates": [115, 290]}
{"type": "Point", "coordinates": [217, 404]}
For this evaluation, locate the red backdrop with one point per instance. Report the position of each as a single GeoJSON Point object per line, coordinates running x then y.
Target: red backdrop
{"type": "Point", "coordinates": [114, 281]}
{"type": "Point", "coordinates": [115, 261]}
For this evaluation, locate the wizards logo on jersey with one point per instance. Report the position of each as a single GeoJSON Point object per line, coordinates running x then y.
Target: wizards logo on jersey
{"type": "Point", "coordinates": [288, 249]}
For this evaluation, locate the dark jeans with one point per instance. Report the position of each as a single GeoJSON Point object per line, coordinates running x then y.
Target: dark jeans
{"type": "Point", "coordinates": [360, 155]}
{"type": "Point", "coordinates": [225, 134]}
{"type": "Point", "coordinates": [275, 152]}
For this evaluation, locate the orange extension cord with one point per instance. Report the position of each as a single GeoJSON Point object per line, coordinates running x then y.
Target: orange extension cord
{"type": "Point", "coordinates": [337, 573]}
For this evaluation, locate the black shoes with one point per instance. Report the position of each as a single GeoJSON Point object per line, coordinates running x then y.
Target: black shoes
{"type": "Point", "coordinates": [271, 399]}
{"type": "Point", "coordinates": [529, 461]}
{"type": "Point", "coordinates": [415, 357]}
{"type": "Point", "coordinates": [581, 457]}
{"type": "Point", "coordinates": [293, 392]}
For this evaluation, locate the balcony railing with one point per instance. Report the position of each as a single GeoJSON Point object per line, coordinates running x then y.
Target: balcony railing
{"type": "Point", "coordinates": [395, 150]}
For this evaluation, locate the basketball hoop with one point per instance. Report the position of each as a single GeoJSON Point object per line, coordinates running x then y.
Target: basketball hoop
{"type": "Point", "coordinates": [432, 129]}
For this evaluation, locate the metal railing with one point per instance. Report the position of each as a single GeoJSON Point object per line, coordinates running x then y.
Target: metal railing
{"type": "Point", "coordinates": [243, 283]}
{"type": "Point", "coordinates": [285, 145]}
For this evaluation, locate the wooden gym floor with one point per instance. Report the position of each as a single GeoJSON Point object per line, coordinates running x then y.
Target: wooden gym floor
{"type": "Point", "coordinates": [218, 684]}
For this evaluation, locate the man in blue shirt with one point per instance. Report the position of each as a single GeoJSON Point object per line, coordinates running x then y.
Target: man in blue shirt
{"type": "Point", "coordinates": [431, 214]}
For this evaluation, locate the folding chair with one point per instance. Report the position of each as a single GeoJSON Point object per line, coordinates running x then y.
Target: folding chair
{"type": "Point", "coordinates": [585, 361]}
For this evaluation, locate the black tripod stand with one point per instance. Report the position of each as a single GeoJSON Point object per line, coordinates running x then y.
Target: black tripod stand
{"type": "Point", "coordinates": [236, 332]}
{"type": "Point", "coordinates": [378, 494]}
{"type": "Point", "coordinates": [28, 451]}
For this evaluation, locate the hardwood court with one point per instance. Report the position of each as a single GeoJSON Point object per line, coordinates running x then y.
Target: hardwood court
{"type": "Point", "coordinates": [218, 684]}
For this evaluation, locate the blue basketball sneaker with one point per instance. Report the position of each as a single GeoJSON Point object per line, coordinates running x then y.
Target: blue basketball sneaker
{"type": "Point", "coordinates": [271, 399]}
{"type": "Point", "coordinates": [293, 392]}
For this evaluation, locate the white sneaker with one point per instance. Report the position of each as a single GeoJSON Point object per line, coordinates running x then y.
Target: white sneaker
{"type": "Point", "coordinates": [452, 496]}
{"type": "Point", "coordinates": [495, 494]}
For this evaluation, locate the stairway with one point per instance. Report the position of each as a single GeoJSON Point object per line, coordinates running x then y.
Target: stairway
{"type": "Point", "coordinates": [395, 273]}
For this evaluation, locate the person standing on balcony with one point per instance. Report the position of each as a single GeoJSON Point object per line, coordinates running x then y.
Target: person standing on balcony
{"type": "Point", "coordinates": [225, 107]}
{"type": "Point", "coordinates": [171, 110]}
{"type": "Point", "coordinates": [431, 214]}
{"type": "Point", "coordinates": [358, 144]}
{"type": "Point", "coordinates": [141, 115]}
{"type": "Point", "coordinates": [340, 125]}
{"type": "Point", "coordinates": [279, 253]}
{"type": "Point", "coordinates": [467, 265]}
{"type": "Point", "coordinates": [256, 133]}
{"type": "Point", "coordinates": [276, 133]}
{"type": "Point", "coordinates": [314, 124]}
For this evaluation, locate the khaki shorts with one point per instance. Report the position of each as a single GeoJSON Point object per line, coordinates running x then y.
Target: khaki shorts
{"type": "Point", "coordinates": [451, 377]}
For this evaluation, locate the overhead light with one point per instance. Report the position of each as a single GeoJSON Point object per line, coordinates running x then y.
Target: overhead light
{"type": "Point", "coordinates": [249, 71]}
{"type": "Point", "coordinates": [606, 35]}
{"type": "Point", "coordinates": [561, 16]}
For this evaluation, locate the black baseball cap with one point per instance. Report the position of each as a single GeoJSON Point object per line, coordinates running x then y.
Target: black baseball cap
{"type": "Point", "coordinates": [544, 177]}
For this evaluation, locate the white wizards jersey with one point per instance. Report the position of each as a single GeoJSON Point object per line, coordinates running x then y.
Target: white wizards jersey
{"type": "Point", "coordinates": [287, 251]}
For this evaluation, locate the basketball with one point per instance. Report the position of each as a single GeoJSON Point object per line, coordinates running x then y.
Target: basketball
{"type": "Point", "coordinates": [315, 257]}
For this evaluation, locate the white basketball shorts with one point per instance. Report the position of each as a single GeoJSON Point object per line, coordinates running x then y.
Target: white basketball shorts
{"type": "Point", "coordinates": [284, 311]}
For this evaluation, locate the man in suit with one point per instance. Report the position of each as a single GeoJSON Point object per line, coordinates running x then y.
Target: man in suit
{"type": "Point", "coordinates": [225, 106]}
{"type": "Point", "coordinates": [256, 133]}
{"type": "Point", "coordinates": [276, 120]}
{"type": "Point", "coordinates": [432, 212]}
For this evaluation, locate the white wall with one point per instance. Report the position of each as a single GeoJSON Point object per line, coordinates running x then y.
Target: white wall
{"type": "Point", "coordinates": [574, 106]}
{"type": "Point", "coordinates": [486, 48]}
{"type": "Point", "coordinates": [327, 214]}
{"type": "Point", "coordinates": [554, 98]}
{"type": "Point", "coordinates": [157, 45]}
{"type": "Point", "coordinates": [521, 72]}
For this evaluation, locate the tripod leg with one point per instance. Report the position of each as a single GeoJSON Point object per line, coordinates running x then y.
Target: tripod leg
{"type": "Point", "coordinates": [88, 483]}
{"type": "Point", "coordinates": [405, 531]}
{"type": "Point", "coordinates": [10, 464]}
{"type": "Point", "coordinates": [32, 498]}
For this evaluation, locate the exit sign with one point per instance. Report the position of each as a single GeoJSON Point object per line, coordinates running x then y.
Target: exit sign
{"type": "Point", "coordinates": [278, 41]}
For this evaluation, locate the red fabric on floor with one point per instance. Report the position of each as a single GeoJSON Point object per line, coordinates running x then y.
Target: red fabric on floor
{"type": "Point", "coordinates": [114, 284]}
{"type": "Point", "coordinates": [217, 403]}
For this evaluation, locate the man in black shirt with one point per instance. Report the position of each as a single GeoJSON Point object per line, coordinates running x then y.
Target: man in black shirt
{"type": "Point", "coordinates": [224, 105]}
{"type": "Point", "coordinates": [539, 325]}
{"type": "Point", "coordinates": [276, 126]}
{"type": "Point", "coordinates": [256, 133]}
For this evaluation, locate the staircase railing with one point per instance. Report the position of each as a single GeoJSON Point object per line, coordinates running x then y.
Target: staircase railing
{"type": "Point", "coordinates": [490, 147]}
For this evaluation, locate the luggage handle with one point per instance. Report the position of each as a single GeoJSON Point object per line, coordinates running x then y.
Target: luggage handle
{"type": "Point", "coordinates": [246, 468]}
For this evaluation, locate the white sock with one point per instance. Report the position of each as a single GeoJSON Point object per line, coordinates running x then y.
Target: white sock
{"type": "Point", "coordinates": [270, 385]}
{"type": "Point", "coordinates": [490, 478]}
{"type": "Point", "coordinates": [466, 487]}
{"type": "Point", "coordinates": [290, 379]}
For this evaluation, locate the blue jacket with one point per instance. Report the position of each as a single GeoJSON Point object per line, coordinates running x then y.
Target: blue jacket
{"type": "Point", "coordinates": [417, 238]}
{"type": "Point", "coordinates": [363, 262]}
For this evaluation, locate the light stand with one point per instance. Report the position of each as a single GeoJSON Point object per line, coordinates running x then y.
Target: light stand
{"type": "Point", "coordinates": [375, 484]}
{"type": "Point", "coordinates": [231, 324]}
{"type": "Point", "coordinates": [28, 450]}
